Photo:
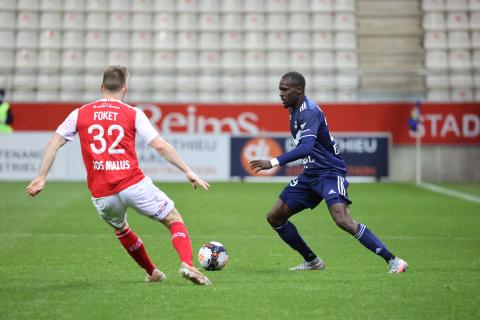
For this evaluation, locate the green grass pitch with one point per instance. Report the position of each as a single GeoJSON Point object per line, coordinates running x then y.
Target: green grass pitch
{"type": "Point", "coordinates": [59, 261]}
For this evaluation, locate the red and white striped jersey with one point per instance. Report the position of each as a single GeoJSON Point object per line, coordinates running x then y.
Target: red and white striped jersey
{"type": "Point", "coordinates": [107, 130]}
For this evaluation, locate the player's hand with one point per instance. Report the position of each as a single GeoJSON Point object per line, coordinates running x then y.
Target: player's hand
{"type": "Point", "coordinates": [196, 180]}
{"type": "Point", "coordinates": [36, 186]}
{"type": "Point", "coordinates": [258, 165]}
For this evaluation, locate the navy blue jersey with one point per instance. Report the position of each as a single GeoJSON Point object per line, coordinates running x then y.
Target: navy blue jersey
{"type": "Point", "coordinates": [313, 140]}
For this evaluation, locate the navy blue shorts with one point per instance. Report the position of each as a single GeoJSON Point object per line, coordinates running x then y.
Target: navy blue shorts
{"type": "Point", "coordinates": [307, 191]}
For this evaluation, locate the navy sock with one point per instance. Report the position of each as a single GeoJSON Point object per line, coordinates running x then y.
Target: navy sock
{"type": "Point", "coordinates": [372, 243]}
{"type": "Point", "coordinates": [290, 235]}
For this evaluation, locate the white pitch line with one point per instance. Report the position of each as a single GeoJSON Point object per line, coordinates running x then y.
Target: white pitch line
{"type": "Point", "coordinates": [450, 192]}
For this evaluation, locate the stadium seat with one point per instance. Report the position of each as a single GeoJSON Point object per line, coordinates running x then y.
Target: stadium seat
{"type": "Point", "coordinates": [186, 21]}
{"type": "Point", "coordinates": [91, 81]}
{"type": "Point", "coordinates": [47, 95]}
{"type": "Point", "coordinates": [73, 40]}
{"type": "Point", "coordinates": [49, 59]}
{"type": "Point", "coordinates": [73, 21]}
{"type": "Point", "coordinates": [457, 21]}
{"type": "Point", "coordinates": [476, 80]}
{"type": "Point", "coordinates": [458, 40]}
{"type": "Point", "coordinates": [254, 96]}
{"type": "Point", "coordinates": [50, 39]}
{"type": "Point", "coordinates": [118, 57]}
{"type": "Point", "coordinates": [299, 21]}
{"type": "Point", "coordinates": [435, 40]}
{"type": "Point", "coordinates": [474, 5]}
{"type": "Point", "coordinates": [344, 5]}
{"type": "Point", "coordinates": [253, 6]}
{"type": "Point", "coordinates": [142, 22]}
{"type": "Point", "coordinates": [231, 21]}
{"type": "Point", "coordinates": [119, 5]}
{"type": "Point", "coordinates": [437, 81]}
{"type": "Point", "coordinates": [164, 5]}
{"type": "Point", "coordinates": [7, 38]}
{"type": "Point", "coordinates": [118, 40]}
{"type": "Point", "coordinates": [322, 40]}
{"type": "Point", "coordinates": [345, 21]}
{"type": "Point", "coordinates": [274, 5]}
{"type": "Point", "coordinates": [73, 5]}
{"type": "Point", "coordinates": [97, 5]}
{"type": "Point", "coordinates": [232, 6]}
{"type": "Point", "coordinates": [7, 20]}
{"type": "Point", "coordinates": [209, 21]}
{"type": "Point", "coordinates": [254, 80]}
{"type": "Point", "coordinates": [209, 6]}
{"type": "Point", "coordinates": [323, 60]}
{"type": "Point", "coordinates": [186, 60]}
{"type": "Point", "coordinates": [322, 21]}
{"type": "Point", "coordinates": [253, 21]}
{"type": "Point", "coordinates": [323, 80]}
{"type": "Point", "coordinates": [300, 60]}
{"type": "Point", "coordinates": [164, 40]}
{"type": "Point", "coordinates": [232, 40]}
{"type": "Point", "coordinates": [208, 96]}
{"type": "Point", "coordinates": [163, 60]}
{"type": "Point", "coordinates": [277, 40]}
{"type": "Point", "coordinates": [163, 81]}
{"type": "Point", "coordinates": [91, 95]}
{"type": "Point", "coordinates": [298, 6]}
{"type": "Point", "coordinates": [26, 59]}
{"type": "Point", "coordinates": [71, 96]}
{"type": "Point", "coordinates": [434, 21]}
{"type": "Point", "coordinates": [299, 40]}
{"type": "Point", "coordinates": [253, 40]}
{"type": "Point", "coordinates": [276, 21]}
{"type": "Point", "coordinates": [141, 40]}
{"type": "Point", "coordinates": [32, 5]}
{"type": "Point", "coordinates": [8, 5]}
{"type": "Point", "coordinates": [141, 59]}
{"type": "Point", "coordinates": [25, 39]}
{"type": "Point", "coordinates": [475, 20]}
{"type": "Point", "coordinates": [232, 96]}
{"type": "Point", "coordinates": [6, 59]}
{"type": "Point", "coordinates": [456, 5]}
{"type": "Point", "coordinates": [209, 40]}
{"type": "Point", "coordinates": [346, 60]}
{"type": "Point", "coordinates": [140, 81]}
{"type": "Point", "coordinates": [459, 59]}
{"type": "Point", "coordinates": [321, 5]}
{"type": "Point", "coordinates": [346, 96]}
{"type": "Point", "coordinates": [476, 59]}
{"type": "Point", "coordinates": [475, 39]}
{"type": "Point", "coordinates": [119, 21]}
{"type": "Point", "coordinates": [96, 21]}
{"type": "Point", "coordinates": [187, 40]}
{"type": "Point", "coordinates": [27, 20]}
{"type": "Point", "coordinates": [461, 94]}
{"type": "Point", "coordinates": [50, 20]}
{"type": "Point", "coordinates": [95, 40]}
{"type": "Point", "coordinates": [48, 80]}
{"type": "Point", "coordinates": [21, 95]}
{"type": "Point", "coordinates": [210, 59]}
{"type": "Point", "coordinates": [185, 81]}
{"type": "Point", "coordinates": [163, 96]}
{"type": "Point", "coordinates": [477, 94]}
{"type": "Point", "coordinates": [344, 81]}
{"type": "Point", "coordinates": [324, 95]}
{"type": "Point", "coordinates": [345, 40]}
{"type": "Point", "coordinates": [461, 80]}
{"type": "Point", "coordinates": [436, 60]}
{"type": "Point", "coordinates": [254, 60]}
{"type": "Point", "coordinates": [72, 59]}
{"type": "Point", "coordinates": [186, 5]}
{"type": "Point", "coordinates": [186, 96]}
{"type": "Point", "coordinates": [277, 60]}
{"type": "Point", "coordinates": [24, 80]}
{"type": "Point", "coordinates": [433, 5]}
{"type": "Point", "coordinates": [95, 59]}
{"type": "Point", "coordinates": [138, 95]}
{"type": "Point", "coordinates": [209, 80]}
{"type": "Point", "coordinates": [164, 21]}
{"type": "Point", "coordinates": [71, 80]}
{"type": "Point", "coordinates": [142, 5]}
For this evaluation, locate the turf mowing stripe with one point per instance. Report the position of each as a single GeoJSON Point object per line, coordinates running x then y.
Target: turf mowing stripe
{"type": "Point", "coordinates": [450, 192]}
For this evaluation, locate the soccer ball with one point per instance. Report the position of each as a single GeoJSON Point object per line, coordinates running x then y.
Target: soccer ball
{"type": "Point", "coordinates": [212, 256]}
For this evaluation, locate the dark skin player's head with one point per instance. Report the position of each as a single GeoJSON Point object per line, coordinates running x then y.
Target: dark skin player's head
{"type": "Point", "coordinates": [292, 89]}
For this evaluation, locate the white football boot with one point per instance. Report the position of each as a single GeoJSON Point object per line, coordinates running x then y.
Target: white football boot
{"type": "Point", "coordinates": [156, 276]}
{"type": "Point", "coordinates": [397, 265]}
{"type": "Point", "coordinates": [315, 264]}
{"type": "Point", "coordinates": [191, 273]}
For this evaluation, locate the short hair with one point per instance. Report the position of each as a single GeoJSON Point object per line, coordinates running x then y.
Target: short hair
{"type": "Point", "coordinates": [114, 78]}
{"type": "Point", "coordinates": [295, 77]}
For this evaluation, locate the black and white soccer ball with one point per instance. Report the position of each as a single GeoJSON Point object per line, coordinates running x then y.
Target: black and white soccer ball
{"type": "Point", "coordinates": [213, 256]}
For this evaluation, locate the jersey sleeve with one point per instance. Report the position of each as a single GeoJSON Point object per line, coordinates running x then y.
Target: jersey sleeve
{"type": "Point", "coordinates": [309, 123]}
{"type": "Point", "coordinates": [144, 128]}
{"type": "Point", "coordinates": [68, 129]}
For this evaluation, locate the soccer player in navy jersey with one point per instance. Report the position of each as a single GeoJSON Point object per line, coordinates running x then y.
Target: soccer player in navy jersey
{"type": "Point", "coordinates": [323, 178]}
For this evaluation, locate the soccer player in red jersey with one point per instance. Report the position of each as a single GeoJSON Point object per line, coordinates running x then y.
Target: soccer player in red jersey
{"type": "Point", "coordinates": [107, 130]}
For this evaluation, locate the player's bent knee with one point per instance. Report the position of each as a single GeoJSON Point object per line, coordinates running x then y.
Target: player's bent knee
{"type": "Point", "coordinates": [172, 217]}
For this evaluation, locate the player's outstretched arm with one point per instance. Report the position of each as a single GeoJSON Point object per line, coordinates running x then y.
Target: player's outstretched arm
{"type": "Point", "coordinates": [37, 184]}
{"type": "Point", "coordinates": [168, 152]}
{"type": "Point", "coordinates": [258, 165]}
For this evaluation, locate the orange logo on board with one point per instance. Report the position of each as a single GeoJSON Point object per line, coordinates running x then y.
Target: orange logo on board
{"type": "Point", "coordinates": [260, 149]}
